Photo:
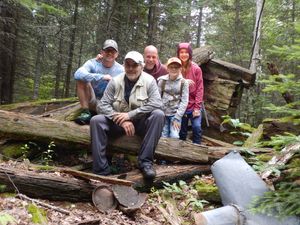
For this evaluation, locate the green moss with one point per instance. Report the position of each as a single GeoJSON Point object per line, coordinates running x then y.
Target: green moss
{"type": "Point", "coordinates": [12, 150]}
{"type": "Point", "coordinates": [39, 216]}
{"type": "Point", "coordinates": [36, 103]}
{"type": "Point", "coordinates": [208, 192]}
{"type": "Point", "coordinates": [8, 195]}
{"type": "Point", "coordinates": [264, 157]}
{"type": "Point", "coordinates": [44, 168]}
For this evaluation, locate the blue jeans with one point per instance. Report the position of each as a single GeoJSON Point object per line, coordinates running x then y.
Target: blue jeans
{"type": "Point", "coordinates": [196, 127]}
{"type": "Point", "coordinates": [168, 129]}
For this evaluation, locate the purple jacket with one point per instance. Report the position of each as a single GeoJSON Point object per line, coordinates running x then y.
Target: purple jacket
{"type": "Point", "coordinates": [157, 71]}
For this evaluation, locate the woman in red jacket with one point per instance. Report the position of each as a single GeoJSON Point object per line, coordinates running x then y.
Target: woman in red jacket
{"type": "Point", "coordinates": [192, 72]}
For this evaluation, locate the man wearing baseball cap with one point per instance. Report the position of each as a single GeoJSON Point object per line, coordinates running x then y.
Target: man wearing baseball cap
{"type": "Point", "coordinates": [131, 105]}
{"type": "Point", "coordinates": [93, 77]}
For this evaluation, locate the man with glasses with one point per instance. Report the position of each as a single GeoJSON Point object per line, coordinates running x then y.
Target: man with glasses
{"type": "Point", "coordinates": [131, 105]}
{"type": "Point", "coordinates": [93, 77]}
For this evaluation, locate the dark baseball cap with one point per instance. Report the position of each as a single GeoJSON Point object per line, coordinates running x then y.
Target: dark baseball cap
{"type": "Point", "coordinates": [109, 43]}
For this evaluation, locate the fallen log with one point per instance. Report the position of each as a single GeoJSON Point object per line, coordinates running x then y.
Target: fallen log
{"type": "Point", "coordinates": [166, 173]}
{"type": "Point", "coordinates": [281, 159]}
{"type": "Point", "coordinates": [202, 55]}
{"type": "Point", "coordinates": [23, 127]}
{"type": "Point", "coordinates": [229, 71]}
{"type": "Point", "coordinates": [55, 185]}
{"type": "Point", "coordinates": [38, 107]}
{"type": "Point", "coordinates": [66, 113]}
{"type": "Point", "coordinates": [46, 185]}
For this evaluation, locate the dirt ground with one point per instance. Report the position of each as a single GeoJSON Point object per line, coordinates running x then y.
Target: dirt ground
{"type": "Point", "coordinates": [80, 213]}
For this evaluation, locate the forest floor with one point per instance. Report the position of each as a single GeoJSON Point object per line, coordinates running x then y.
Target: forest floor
{"type": "Point", "coordinates": [80, 213]}
{"type": "Point", "coordinates": [15, 210]}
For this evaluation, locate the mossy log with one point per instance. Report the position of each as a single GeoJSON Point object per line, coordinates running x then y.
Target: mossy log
{"type": "Point", "coordinates": [50, 185]}
{"type": "Point", "coordinates": [19, 126]}
{"type": "Point", "coordinates": [38, 107]}
{"type": "Point", "coordinates": [66, 113]}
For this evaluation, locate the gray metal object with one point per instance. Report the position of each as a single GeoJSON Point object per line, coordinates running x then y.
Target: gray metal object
{"type": "Point", "coordinates": [227, 215]}
{"type": "Point", "coordinates": [238, 184]}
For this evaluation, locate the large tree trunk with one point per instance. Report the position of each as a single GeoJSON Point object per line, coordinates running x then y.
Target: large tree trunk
{"type": "Point", "coordinates": [38, 65]}
{"type": "Point", "coordinates": [199, 29]}
{"type": "Point", "coordinates": [151, 22]}
{"type": "Point", "coordinates": [255, 54]}
{"type": "Point", "coordinates": [7, 51]}
{"type": "Point", "coordinates": [71, 51]}
{"type": "Point", "coordinates": [18, 126]}
{"type": "Point", "coordinates": [58, 64]}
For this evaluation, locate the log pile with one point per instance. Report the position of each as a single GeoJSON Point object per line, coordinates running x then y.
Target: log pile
{"type": "Point", "coordinates": [223, 88]}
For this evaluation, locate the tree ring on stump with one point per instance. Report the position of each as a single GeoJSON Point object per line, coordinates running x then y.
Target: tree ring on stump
{"type": "Point", "coordinates": [104, 199]}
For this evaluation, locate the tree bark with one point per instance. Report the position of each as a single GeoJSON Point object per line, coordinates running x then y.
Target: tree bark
{"type": "Point", "coordinates": [49, 185]}
{"type": "Point", "coordinates": [255, 54]}
{"type": "Point", "coordinates": [281, 159]}
{"type": "Point", "coordinates": [38, 60]}
{"type": "Point", "coordinates": [199, 30]}
{"type": "Point", "coordinates": [8, 25]}
{"type": "Point", "coordinates": [71, 51]}
{"type": "Point", "coordinates": [58, 64]}
{"type": "Point", "coordinates": [187, 32]}
{"type": "Point", "coordinates": [151, 22]}
{"type": "Point", "coordinates": [18, 126]}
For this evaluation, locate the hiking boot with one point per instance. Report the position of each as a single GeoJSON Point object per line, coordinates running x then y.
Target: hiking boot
{"type": "Point", "coordinates": [84, 118]}
{"type": "Point", "coordinates": [148, 172]}
{"type": "Point", "coordinates": [105, 172]}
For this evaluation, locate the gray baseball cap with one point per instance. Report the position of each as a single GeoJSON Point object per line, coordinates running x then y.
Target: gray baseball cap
{"type": "Point", "coordinates": [109, 43]}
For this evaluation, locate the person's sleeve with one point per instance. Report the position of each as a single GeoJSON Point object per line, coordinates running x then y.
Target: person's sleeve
{"type": "Point", "coordinates": [159, 84]}
{"type": "Point", "coordinates": [154, 102]}
{"type": "Point", "coordinates": [84, 73]}
{"type": "Point", "coordinates": [104, 106]}
{"type": "Point", "coordinates": [184, 101]}
{"type": "Point", "coordinates": [200, 88]}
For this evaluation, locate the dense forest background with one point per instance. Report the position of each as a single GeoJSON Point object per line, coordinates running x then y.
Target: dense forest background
{"type": "Point", "coordinates": [43, 42]}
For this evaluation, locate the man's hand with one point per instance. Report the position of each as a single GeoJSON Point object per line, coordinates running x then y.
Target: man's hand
{"type": "Point", "coordinates": [99, 57]}
{"type": "Point", "coordinates": [128, 127]}
{"type": "Point", "coordinates": [120, 118]}
{"type": "Point", "coordinates": [196, 113]}
{"type": "Point", "coordinates": [107, 77]}
{"type": "Point", "coordinates": [176, 124]}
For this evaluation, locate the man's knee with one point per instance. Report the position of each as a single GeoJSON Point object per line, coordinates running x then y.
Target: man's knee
{"type": "Point", "coordinates": [158, 114]}
{"type": "Point", "coordinates": [81, 84]}
{"type": "Point", "coordinates": [98, 119]}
